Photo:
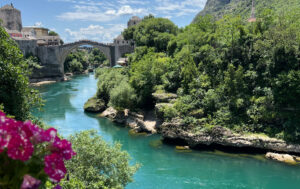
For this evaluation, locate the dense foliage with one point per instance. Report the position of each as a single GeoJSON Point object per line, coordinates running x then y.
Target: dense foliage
{"type": "Point", "coordinates": [152, 32]}
{"type": "Point", "coordinates": [80, 60]}
{"type": "Point", "coordinates": [231, 73]}
{"type": "Point", "coordinates": [114, 89]}
{"type": "Point", "coordinates": [97, 164]}
{"type": "Point", "coordinates": [219, 8]}
{"type": "Point", "coordinates": [15, 94]}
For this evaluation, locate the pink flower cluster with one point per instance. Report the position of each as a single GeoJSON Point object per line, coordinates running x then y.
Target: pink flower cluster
{"type": "Point", "coordinates": [18, 139]}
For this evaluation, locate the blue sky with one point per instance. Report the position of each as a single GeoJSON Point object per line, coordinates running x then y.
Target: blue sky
{"type": "Point", "coordinates": [100, 20]}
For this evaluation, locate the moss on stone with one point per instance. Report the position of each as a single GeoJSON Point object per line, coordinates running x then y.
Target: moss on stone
{"type": "Point", "coordinates": [94, 105]}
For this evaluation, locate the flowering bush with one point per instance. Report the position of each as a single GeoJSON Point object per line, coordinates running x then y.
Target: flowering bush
{"type": "Point", "coordinates": [29, 155]}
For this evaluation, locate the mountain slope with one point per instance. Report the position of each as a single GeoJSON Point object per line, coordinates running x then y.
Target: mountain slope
{"type": "Point", "coordinates": [218, 8]}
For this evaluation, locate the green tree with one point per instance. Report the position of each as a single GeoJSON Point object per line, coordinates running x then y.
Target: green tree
{"type": "Point", "coordinates": [75, 66]}
{"type": "Point", "coordinates": [109, 78]}
{"type": "Point", "coordinates": [15, 94]}
{"type": "Point", "coordinates": [97, 164]}
{"type": "Point", "coordinates": [123, 96]}
{"type": "Point", "coordinates": [52, 33]}
{"type": "Point", "coordinates": [152, 32]}
{"type": "Point", "coordinates": [147, 73]}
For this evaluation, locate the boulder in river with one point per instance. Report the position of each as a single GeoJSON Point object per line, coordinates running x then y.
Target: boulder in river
{"type": "Point", "coordinates": [285, 158]}
{"type": "Point", "coordinates": [94, 105]}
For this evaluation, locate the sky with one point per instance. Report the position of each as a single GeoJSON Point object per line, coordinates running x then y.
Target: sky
{"type": "Point", "coordinates": [100, 20]}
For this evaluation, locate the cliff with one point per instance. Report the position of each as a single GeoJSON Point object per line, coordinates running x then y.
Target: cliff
{"type": "Point", "coordinates": [218, 8]}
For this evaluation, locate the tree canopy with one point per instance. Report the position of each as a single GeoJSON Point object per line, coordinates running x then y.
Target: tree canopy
{"type": "Point", "coordinates": [227, 72]}
{"type": "Point", "coordinates": [15, 94]}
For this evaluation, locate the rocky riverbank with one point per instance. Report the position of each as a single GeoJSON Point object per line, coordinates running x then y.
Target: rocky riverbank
{"type": "Point", "coordinates": [139, 122]}
{"type": "Point", "coordinates": [176, 132]}
{"type": "Point", "coordinates": [224, 139]}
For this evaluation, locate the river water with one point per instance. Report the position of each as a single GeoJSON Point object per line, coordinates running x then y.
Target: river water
{"type": "Point", "coordinates": [163, 167]}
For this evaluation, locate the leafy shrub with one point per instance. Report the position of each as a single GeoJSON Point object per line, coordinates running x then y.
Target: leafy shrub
{"type": "Point", "coordinates": [97, 164]}
{"type": "Point", "coordinates": [75, 66]}
{"type": "Point", "coordinates": [123, 96]}
{"type": "Point", "coordinates": [169, 112]}
{"type": "Point", "coordinates": [109, 78]}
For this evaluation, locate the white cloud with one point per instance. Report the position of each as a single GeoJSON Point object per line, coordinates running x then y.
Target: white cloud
{"type": "Point", "coordinates": [95, 32]}
{"type": "Point", "coordinates": [38, 24]}
{"type": "Point", "coordinates": [130, 2]}
{"type": "Point", "coordinates": [179, 8]}
{"type": "Point", "coordinates": [113, 12]}
{"type": "Point", "coordinates": [93, 13]}
{"type": "Point", "coordinates": [127, 10]}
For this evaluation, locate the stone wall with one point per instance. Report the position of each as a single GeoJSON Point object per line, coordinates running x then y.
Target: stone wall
{"type": "Point", "coordinates": [28, 46]}
{"type": "Point", "coordinates": [51, 66]}
{"type": "Point", "coordinates": [121, 50]}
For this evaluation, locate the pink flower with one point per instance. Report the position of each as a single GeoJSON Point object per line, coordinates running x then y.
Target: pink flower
{"type": "Point", "coordinates": [4, 137]}
{"type": "Point", "coordinates": [49, 135]}
{"type": "Point", "coordinates": [35, 133]}
{"type": "Point", "coordinates": [19, 148]}
{"type": "Point", "coordinates": [55, 167]}
{"type": "Point", "coordinates": [30, 183]}
{"type": "Point", "coordinates": [64, 148]}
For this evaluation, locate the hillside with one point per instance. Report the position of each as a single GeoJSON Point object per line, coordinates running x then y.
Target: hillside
{"type": "Point", "coordinates": [218, 8]}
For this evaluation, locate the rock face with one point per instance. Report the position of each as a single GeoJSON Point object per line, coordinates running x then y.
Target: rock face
{"type": "Point", "coordinates": [134, 120]}
{"type": "Point", "coordinates": [218, 8]}
{"type": "Point", "coordinates": [164, 97]}
{"type": "Point", "coordinates": [222, 137]}
{"type": "Point", "coordinates": [213, 6]}
{"type": "Point", "coordinates": [285, 158]}
{"type": "Point", "coordinates": [94, 105]}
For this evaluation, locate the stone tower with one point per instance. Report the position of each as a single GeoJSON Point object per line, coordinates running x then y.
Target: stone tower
{"type": "Point", "coordinates": [133, 21]}
{"type": "Point", "coordinates": [11, 18]}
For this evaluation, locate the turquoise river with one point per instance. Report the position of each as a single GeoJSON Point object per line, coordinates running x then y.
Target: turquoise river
{"type": "Point", "coordinates": [163, 167]}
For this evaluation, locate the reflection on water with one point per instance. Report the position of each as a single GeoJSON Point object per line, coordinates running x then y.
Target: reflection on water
{"type": "Point", "coordinates": [162, 166]}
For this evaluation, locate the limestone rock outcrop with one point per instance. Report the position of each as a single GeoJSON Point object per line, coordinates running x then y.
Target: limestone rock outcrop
{"type": "Point", "coordinates": [224, 137]}
{"type": "Point", "coordinates": [134, 120]}
{"type": "Point", "coordinates": [285, 158]}
{"type": "Point", "coordinates": [94, 105]}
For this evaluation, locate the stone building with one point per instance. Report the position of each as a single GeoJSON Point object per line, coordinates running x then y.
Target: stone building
{"type": "Point", "coordinates": [12, 22]}
{"type": "Point", "coordinates": [37, 31]}
{"type": "Point", "coordinates": [41, 35]}
{"type": "Point", "coordinates": [133, 21]}
{"type": "Point", "coordinates": [119, 41]}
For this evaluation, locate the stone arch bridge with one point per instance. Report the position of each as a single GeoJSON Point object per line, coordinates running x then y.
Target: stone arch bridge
{"type": "Point", "coordinates": [53, 57]}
